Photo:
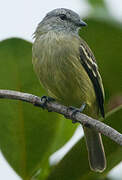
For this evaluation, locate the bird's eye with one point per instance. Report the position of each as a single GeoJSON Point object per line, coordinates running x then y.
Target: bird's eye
{"type": "Point", "coordinates": [63, 16]}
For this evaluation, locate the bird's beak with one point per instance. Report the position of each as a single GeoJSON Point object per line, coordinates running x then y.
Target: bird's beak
{"type": "Point", "coordinates": [82, 23]}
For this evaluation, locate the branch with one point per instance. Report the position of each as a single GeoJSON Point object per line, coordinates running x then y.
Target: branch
{"type": "Point", "coordinates": [55, 107]}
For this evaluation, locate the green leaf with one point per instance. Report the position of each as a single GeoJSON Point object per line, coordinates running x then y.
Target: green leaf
{"type": "Point", "coordinates": [96, 2]}
{"type": "Point", "coordinates": [74, 165]}
{"type": "Point", "coordinates": [28, 135]}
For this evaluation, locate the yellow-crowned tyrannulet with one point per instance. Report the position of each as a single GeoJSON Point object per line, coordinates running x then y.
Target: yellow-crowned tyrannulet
{"type": "Point", "coordinates": [67, 69]}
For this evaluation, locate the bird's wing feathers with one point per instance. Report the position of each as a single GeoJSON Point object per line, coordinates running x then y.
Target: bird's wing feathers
{"type": "Point", "coordinates": [88, 61]}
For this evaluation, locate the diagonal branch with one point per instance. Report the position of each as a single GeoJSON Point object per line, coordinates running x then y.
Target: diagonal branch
{"type": "Point", "coordinates": [56, 107]}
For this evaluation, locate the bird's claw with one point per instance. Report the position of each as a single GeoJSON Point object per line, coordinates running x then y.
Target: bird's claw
{"type": "Point", "coordinates": [45, 100]}
{"type": "Point", "coordinates": [74, 111]}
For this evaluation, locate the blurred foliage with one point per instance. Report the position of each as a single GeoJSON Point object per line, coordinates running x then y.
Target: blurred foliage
{"type": "Point", "coordinates": [96, 2]}
{"type": "Point", "coordinates": [99, 10]}
{"type": "Point", "coordinates": [29, 135]}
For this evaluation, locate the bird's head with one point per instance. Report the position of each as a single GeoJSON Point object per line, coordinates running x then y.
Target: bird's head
{"type": "Point", "coordinates": [62, 19]}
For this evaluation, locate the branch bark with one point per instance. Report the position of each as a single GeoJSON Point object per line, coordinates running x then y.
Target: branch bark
{"type": "Point", "coordinates": [56, 107]}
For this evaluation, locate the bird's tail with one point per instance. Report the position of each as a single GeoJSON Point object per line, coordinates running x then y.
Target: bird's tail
{"type": "Point", "coordinates": [97, 159]}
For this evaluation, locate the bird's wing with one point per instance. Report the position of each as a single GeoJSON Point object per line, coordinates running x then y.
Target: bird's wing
{"type": "Point", "coordinates": [88, 61]}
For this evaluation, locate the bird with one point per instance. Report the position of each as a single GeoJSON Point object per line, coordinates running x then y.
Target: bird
{"type": "Point", "coordinates": [67, 69]}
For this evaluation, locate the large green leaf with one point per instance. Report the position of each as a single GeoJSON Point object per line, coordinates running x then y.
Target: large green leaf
{"type": "Point", "coordinates": [28, 135]}
{"type": "Point", "coordinates": [74, 165]}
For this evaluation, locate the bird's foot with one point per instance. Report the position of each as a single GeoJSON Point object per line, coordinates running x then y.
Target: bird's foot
{"type": "Point", "coordinates": [74, 111]}
{"type": "Point", "coordinates": [45, 100]}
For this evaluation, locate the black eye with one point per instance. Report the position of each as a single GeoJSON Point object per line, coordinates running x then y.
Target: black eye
{"type": "Point", "coordinates": [63, 16]}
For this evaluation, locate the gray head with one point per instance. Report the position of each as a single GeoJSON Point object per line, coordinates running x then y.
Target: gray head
{"type": "Point", "coordinates": [61, 20]}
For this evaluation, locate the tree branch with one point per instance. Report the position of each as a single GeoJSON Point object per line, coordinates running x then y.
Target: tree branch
{"type": "Point", "coordinates": [55, 107]}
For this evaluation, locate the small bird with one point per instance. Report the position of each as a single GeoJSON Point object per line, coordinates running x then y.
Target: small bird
{"type": "Point", "coordinates": [67, 69]}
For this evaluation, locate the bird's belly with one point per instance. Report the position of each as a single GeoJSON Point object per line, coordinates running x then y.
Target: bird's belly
{"type": "Point", "coordinates": [66, 81]}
